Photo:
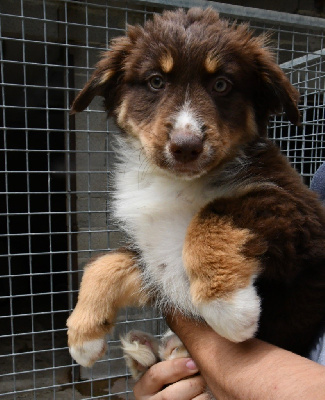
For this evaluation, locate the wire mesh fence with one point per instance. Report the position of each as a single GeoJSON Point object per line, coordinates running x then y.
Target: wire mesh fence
{"type": "Point", "coordinates": [54, 208]}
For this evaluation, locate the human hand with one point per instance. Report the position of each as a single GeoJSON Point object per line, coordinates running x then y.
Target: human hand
{"type": "Point", "coordinates": [152, 385]}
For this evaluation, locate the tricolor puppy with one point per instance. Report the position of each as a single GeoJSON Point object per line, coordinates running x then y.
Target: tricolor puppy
{"type": "Point", "coordinates": [221, 227]}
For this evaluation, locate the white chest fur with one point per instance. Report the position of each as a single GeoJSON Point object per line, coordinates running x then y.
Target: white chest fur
{"type": "Point", "coordinates": [155, 210]}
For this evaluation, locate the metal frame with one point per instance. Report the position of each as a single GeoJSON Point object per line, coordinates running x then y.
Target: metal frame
{"type": "Point", "coordinates": [54, 212]}
{"type": "Point", "coordinates": [249, 13]}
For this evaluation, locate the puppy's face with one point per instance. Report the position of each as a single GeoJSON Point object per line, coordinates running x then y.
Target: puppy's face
{"type": "Point", "coordinates": [191, 88]}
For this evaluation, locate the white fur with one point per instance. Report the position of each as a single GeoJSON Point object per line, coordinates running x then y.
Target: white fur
{"type": "Point", "coordinates": [236, 318]}
{"type": "Point", "coordinates": [139, 356]}
{"type": "Point", "coordinates": [89, 352]}
{"type": "Point", "coordinates": [187, 121]}
{"type": "Point", "coordinates": [139, 352]}
{"type": "Point", "coordinates": [186, 118]}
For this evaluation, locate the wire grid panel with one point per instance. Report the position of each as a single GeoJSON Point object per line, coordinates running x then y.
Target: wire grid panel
{"type": "Point", "coordinates": [55, 179]}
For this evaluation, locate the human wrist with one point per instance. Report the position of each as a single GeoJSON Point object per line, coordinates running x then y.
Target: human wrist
{"type": "Point", "coordinates": [253, 369]}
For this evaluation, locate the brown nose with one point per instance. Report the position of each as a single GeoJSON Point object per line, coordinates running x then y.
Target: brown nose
{"type": "Point", "coordinates": [185, 146]}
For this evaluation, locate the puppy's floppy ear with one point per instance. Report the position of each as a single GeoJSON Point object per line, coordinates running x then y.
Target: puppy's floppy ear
{"type": "Point", "coordinates": [105, 76]}
{"type": "Point", "coordinates": [276, 92]}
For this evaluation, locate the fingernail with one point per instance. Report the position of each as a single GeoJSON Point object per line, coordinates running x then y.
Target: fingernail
{"type": "Point", "coordinates": [191, 365]}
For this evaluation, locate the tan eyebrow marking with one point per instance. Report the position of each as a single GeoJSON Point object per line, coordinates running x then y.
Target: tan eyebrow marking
{"type": "Point", "coordinates": [211, 63]}
{"type": "Point", "coordinates": [166, 62]}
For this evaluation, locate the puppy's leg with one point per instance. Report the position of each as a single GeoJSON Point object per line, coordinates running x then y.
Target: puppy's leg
{"type": "Point", "coordinates": [222, 261]}
{"type": "Point", "coordinates": [109, 283]}
{"type": "Point", "coordinates": [140, 352]}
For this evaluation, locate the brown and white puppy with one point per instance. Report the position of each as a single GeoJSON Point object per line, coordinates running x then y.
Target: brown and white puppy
{"type": "Point", "coordinates": [221, 226]}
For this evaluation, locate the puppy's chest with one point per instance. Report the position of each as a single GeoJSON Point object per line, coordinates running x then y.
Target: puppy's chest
{"type": "Point", "coordinates": [155, 212]}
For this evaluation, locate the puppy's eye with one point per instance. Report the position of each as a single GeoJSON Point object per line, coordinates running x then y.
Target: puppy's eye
{"type": "Point", "coordinates": [221, 86]}
{"type": "Point", "coordinates": [156, 82]}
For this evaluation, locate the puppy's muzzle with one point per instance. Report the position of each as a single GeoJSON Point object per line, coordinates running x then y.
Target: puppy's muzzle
{"type": "Point", "coordinates": [185, 146]}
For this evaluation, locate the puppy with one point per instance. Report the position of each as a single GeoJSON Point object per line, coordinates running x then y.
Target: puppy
{"type": "Point", "coordinates": [221, 227]}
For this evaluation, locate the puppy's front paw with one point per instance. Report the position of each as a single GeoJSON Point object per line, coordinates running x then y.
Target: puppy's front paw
{"type": "Point", "coordinates": [235, 318]}
{"type": "Point", "coordinates": [88, 352]}
{"type": "Point", "coordinates": [86, 339]}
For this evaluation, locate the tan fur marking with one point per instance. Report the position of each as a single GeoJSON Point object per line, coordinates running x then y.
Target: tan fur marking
{"type": "Point", "coordinates": [212, 63]}
{"type": "Point", "coordinates": [106, 76]}
{"type": "Point", "coordinates": [109, 283]}
{"type": "Point", "coordinates": [121, 113]}
{"type": "Point", "coordinates": [166, 63]}
{"type": "Point", "coordinates": [251, 122]}
{"type": "Point", "coordinates": [126, 123]}
{"type": "Point", "coordinates": [214, 257]}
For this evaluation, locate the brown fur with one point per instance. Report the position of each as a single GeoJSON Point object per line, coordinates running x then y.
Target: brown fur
{"type": "Point", "coordinates": [214, 256]}
{"type": "Point", "coordinates": [268, 224]}
{"type": "Point", "coordinates": [287, 222]}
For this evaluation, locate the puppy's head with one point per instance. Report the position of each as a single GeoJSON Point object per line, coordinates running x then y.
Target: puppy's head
{"type": "Point", "coordinates": [191, 88]}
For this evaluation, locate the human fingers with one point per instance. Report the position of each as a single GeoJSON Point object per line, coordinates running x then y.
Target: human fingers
{"type": "Point", "coordinates": [204, 396]}
{"type": "Point", "coordinates": [163, 373]}
{"type": "Point", "coordinates": [186, 389]}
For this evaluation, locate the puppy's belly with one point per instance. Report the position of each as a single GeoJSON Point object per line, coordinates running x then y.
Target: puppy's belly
{"type": "Point", "coordinates": [161, 241]}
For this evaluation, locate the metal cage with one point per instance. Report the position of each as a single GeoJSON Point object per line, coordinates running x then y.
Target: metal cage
{"type": "Point", "coordinates": [55, 176]}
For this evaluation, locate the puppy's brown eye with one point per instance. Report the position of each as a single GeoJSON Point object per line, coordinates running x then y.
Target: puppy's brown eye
{"type": "Point", "coordinates": [221, 86]}
{"type": "Point", "coordinates": [156, 82]}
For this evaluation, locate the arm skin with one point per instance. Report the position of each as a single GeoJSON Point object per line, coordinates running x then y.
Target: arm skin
{"type": "Point", "coordinates": [252, 370]}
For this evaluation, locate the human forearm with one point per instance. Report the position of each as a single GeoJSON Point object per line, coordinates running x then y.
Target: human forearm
{"type": "Point", "coordinates": [251, 370]}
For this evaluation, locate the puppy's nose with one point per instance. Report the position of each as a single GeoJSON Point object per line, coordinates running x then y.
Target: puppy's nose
{"type": "Point", "coordinates": [185, 146]}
